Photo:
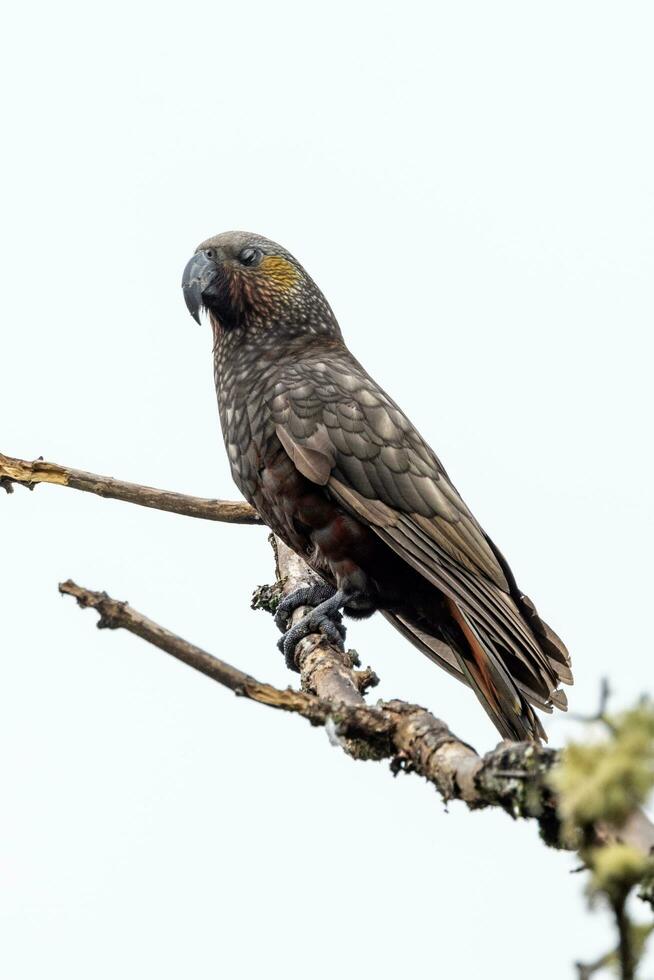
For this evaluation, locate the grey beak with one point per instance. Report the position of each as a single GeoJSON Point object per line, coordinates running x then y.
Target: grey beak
{"type": "Point", "coordinates": [198, 276]}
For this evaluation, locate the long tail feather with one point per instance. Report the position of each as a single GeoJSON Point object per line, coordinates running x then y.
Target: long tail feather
{"type": "Point", "coordinates": [509, 711]}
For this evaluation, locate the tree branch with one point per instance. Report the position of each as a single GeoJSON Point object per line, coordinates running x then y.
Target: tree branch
{"type": "Point", "coordinates": [410, 735]}
{"type": "Point", "coordinates": [512, 776]}
{"type": "Point", "coordinates": [626, 956]}
{"type": "Point", "coordinates": [29, 474]}
{"type": "Point", "coordinates": [119, 615]}
{"type": "Point", "coordinates": [587, 970]}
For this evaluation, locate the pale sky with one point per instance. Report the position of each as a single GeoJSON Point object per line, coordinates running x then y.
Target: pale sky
{"type": "Point", "coordinates": [471, 185]}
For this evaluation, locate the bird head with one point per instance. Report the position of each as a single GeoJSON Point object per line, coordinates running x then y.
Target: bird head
{"type": "Point", "coordinates": [246, 281]}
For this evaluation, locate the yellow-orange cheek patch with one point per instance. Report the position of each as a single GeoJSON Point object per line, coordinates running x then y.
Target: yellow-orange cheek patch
{"type": "Point", "coordinates": [280, 271]}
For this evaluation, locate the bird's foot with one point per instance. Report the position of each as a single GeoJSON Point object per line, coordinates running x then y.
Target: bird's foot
{"type": "Point", "coordinates": [325, 618]}
{"type": "Point", "coordinates": [309, 595]}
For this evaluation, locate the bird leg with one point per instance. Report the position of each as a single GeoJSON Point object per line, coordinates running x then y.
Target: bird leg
{"type": "Point", "coordinates": [325, 618]}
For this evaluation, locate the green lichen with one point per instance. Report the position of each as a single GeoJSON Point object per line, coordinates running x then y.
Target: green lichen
{"type": "Point", "coordinates": [616, 868]}
{"type": "Point", "coordinates": [607, 780]}
{"type": "Point", "coordinates": [513, 777]}
{"type": "Point", "coordinates": [267, 597]}
{"type": "Point", "coordinates": [598, 786]}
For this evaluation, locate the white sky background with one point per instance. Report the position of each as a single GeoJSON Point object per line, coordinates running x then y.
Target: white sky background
{"type": "Point", "coordinates": [471, 185]}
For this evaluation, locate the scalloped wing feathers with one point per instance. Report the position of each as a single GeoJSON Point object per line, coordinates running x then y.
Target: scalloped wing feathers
{"type": "Point", "coordinates": [343, 432]}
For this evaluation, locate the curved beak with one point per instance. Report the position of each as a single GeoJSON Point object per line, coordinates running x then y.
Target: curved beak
{"type": "Point", "coordinates": [198, 276]}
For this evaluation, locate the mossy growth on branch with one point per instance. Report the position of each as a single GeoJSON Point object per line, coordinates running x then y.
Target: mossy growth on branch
{"type": "Point", "coordinates": [599, 785]}
{"type": "Point", "coordinates": [606, 780]}
{"type": "Point", "coordinates": [615, 870]}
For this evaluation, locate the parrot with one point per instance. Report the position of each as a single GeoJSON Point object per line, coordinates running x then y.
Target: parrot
{"type": "Point", "coordinates": [335, 468]}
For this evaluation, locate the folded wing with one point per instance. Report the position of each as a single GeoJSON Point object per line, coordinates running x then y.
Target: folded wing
{"type": "Point", "coordinates": [345, 433]}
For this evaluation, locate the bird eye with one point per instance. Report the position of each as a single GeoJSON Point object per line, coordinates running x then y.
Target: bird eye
{"type": "Point", "coordinates": [209, 252]}
{"type": "Point", "coordinates": [250, 256]}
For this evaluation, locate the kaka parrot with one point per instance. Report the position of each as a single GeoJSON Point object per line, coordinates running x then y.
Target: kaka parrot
{"type": "Point", "coordinates": [335, 468]}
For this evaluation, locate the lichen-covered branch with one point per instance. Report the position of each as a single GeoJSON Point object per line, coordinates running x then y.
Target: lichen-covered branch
{"type": "Point", "coordinates": [416, 741]}
{"type": "Point", "coordinates": [333, 688]}
{"type": "Point", "coordinates": [515, 776]}
{"type": "Point", "coordinates": [324, 669]}
{"type": "Point", "coordinates": [512, 776]}
{"type": "Point", "coordinates": [28, 474]}
{"type": "Point", "coordinates": [525, 779]}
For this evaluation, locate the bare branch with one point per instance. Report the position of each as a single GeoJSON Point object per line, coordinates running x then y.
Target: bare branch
{"type": "Point", "coordinates": [413, 738]}
{"type": "Point", "coordinates": [119, 615]}
{"type": "Point", "coordinates": [29, 474]}
{"type": "Point", "coordinates": [602, 710]}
